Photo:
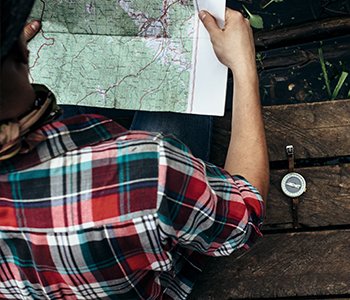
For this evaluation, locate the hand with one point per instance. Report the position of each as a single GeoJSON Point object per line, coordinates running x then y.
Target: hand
{"type": "Point", "coordinates": [31, 30]}
{"type": "Point", "coordinates": [233, 45]}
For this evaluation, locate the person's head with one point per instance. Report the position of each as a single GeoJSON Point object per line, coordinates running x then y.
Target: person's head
{"type": "Point", "coordinates": [16, 93]}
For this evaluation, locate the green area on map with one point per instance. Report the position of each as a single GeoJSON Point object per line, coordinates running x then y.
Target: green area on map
{"type": "Point", "coordinates": [128, 54]}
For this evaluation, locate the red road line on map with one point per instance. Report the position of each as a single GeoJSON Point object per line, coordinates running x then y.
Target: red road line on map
{"type": "Point", "coordinates": [165, 12]}
{"type": "Point", "coordinates": [152, 91]}
{"type": "Point", "coordinates": [41, 48]}
{"type": "Point", "coordinates": [162, 19]}
{"type": "Point", "coordinates": [45, 38]}
{"type": "Point", "coordinates": [126, 77]}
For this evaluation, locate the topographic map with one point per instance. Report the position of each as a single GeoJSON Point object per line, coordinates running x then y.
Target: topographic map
{"type": "Point", "coordinates": [125, 54]}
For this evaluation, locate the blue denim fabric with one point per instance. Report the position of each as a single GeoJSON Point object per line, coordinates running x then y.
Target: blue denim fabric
{"type": "Point", "coordinates": [73, 110]}
{"type": "Point", "coordinates": [193, 130]}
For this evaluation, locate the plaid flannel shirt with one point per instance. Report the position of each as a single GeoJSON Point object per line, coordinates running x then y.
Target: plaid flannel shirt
{"type": "Point", "coordinates": [97, 212]}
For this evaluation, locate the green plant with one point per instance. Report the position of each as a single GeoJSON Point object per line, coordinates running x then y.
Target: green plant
{"type": "Point", "coordinates": [270, 2]}
{"type": "Point", "coordinates": [324, 71]}
{"type": "Point", "coordinates": [339, 85]}
{"type": "Point", "coordinates": [340, 82]}
{"type": "Point", "coordinates": [256, 21]}
{"type": "Point", "coordinates": [260, 59]}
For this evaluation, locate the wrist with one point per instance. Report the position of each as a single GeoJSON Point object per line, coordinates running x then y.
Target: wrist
{"type": "Point", "coordinates": [246, 78]}
{"type": "Point", "coordinates": [244, 70]}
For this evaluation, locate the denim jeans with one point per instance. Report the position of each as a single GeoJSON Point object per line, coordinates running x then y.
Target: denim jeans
{"type": "Point", "coordinates": [192, 130]}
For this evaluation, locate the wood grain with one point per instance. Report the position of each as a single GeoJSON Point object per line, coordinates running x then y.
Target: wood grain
{"type": "Point", "coordinates": [297, 56]}
{"type": "Point", "coordinates": [325, 203]}
{"type": "Point", "coordinates": [299, 34]}
{"type": "Point", "coordinates": [281, 265]}
{"type": "Point", "coordinates": [315, 129]}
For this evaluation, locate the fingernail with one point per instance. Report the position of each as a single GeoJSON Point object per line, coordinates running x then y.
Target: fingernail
{"type": "Point", "coordinates": [35, 25]}
{"type": "Point", "coordinates": [202, 15]}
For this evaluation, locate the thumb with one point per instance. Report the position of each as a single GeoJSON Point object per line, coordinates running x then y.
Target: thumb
{"type": "Point", "coordinates": [209, 22]}
{"type": "Point", "coordinates": [31, 29]}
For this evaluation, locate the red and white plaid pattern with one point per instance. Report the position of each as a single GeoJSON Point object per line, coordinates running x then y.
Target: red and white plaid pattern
{"type": "Point", "coordinates": [96, 212]}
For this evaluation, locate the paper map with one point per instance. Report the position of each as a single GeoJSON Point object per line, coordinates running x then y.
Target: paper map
{"type": "Point", "coordinates": [129, 54]}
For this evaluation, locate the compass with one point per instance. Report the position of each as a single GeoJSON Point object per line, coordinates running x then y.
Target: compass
{"type": "Point", "coordinates": [293, 185]}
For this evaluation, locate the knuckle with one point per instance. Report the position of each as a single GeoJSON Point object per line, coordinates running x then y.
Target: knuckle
{"type": "Point", "coordinates": [236, 15]}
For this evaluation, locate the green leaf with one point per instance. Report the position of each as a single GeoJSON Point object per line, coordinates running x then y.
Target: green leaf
{"type": "Point", "coordinates": [340, 83]}
{"type": "Point", "coordinates": [324, 71]}
{"type": "Point", "coordinates": [270, 2]}
{"type": "Point", "coordinates": [256, 21]}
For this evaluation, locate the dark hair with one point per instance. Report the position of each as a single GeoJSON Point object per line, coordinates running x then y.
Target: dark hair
{"type": "Point", "coordinates": [13, 15]}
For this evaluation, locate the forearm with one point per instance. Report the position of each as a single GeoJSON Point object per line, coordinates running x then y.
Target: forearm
{"type": "Point", "coordinates": [234, 47]}
{"type": "Point", "coordinates": [247, 154]}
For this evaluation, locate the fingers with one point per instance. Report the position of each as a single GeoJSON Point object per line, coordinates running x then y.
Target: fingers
{"type": "Point", "coordinates": [209, 22]}
{"type": "Point", "coordinates": [234, 17]}
{"type": "Point", "coordinates": [234, 45]}
{"type": "Point", "coordinates": [31, 29]}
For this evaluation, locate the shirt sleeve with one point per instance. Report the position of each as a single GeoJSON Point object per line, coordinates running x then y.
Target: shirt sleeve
{"type": "Point", "coordinates": [202, 207]}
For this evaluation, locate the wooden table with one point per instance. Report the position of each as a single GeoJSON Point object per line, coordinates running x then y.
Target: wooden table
{"type": "Point", "coordinates": [312, 261]}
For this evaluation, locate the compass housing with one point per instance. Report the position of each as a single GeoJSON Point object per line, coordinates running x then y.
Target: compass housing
{"type": "Point", "coordinates": [293, 185]}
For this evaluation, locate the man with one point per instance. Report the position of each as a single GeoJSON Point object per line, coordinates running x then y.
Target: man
{"type": "Point", "coordinates": [89, 210]}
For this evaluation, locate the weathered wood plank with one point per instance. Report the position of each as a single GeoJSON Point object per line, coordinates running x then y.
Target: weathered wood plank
{"type": "Point", "coordinates": [325, 203]}
{"type": "Point", "coordinates": [315, 129]}
{"type": "Point", "coordinates": [281, 265]}
{"type": "Point", "coordinates": [299, 56]}
{"type": "Point", "coordinates": [302, 33]}
{"type": "Point", "coordinates": [291, 13]}
{"type": "Point", "coordinates": [293, 74]}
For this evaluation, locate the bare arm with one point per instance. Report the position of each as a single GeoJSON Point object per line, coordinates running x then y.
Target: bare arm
{"type": "Point", "coordinates": [247, 154]}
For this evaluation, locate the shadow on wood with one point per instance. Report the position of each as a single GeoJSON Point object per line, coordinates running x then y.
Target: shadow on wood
{"type": "Point", "coordinates": [281, 265]}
